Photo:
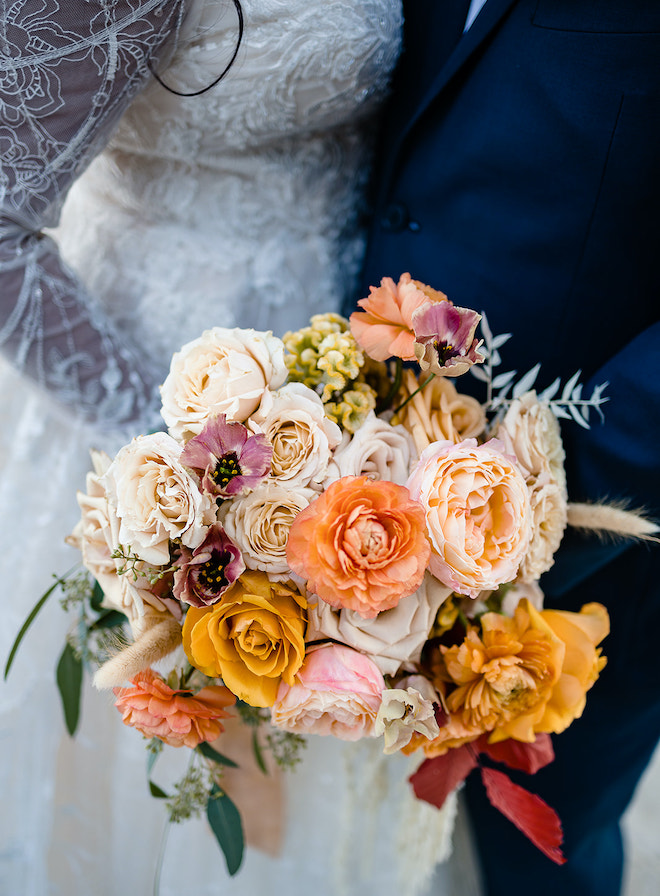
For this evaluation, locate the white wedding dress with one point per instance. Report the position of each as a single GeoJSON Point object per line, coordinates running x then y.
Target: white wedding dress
{"type": "Point", "coordinates": [238, 207]}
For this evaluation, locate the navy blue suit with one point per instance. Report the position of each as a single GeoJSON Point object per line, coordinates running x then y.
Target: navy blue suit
{"type": "Point", "coordinates": [521, 176]}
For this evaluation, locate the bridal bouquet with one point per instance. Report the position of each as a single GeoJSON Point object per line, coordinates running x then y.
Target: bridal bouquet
{"type": "Point", "coordinates": [331, 539]}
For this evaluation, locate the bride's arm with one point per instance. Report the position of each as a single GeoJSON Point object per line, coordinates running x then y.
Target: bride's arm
{"type": "Point", "coordinates": [68, 69]}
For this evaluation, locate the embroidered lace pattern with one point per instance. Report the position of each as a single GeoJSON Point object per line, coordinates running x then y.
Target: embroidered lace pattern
{"type": "Point", "coordinates": [68, 68]}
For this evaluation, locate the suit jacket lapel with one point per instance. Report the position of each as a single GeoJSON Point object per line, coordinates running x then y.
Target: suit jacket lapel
{"type": "Point", "coordinates": [486, 21]}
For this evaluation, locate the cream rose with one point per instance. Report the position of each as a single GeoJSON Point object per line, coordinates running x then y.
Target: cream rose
{"type": "Point", "coordinates": [377, 450]}
{"type": "Point", "coordinates": [477, 513]}
{"type": "Point", "coordinates": [394, 638]}
{"type": "Point", "coordinates": [302, 437]}
{"type": "Point", "coordinates": [225, 371]}
{"type": "Point", "coordinates": [531, 433]}
{"type": "Point", "coordinates": [549, 515]}
{"type": "Point", "coordinates": [96, 536]}
{"type": "Point", "coordinates": [156, 499]}
{"type": "Point", "coordinates": [259, 523]}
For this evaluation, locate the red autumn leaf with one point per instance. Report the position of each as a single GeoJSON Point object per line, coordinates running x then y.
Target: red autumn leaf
{"type": "Point", "coordinates": [530, 814]}
{"type": "Point", "coordinates": [436, 778]}
{"type": "Point", "coordinates": [524, 757]}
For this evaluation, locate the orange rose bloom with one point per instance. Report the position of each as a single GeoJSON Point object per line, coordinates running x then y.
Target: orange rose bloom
{"type": "Point", "coordinates": [253, 638]}
{"type": "Point", "coordinates": [360, 545]}
{"type": "Point", "coordinates": [178, 718]}
{"type": "Point", "coordinates": [384, 329]}
{"type": "Point", "coordinates": [521, 676]}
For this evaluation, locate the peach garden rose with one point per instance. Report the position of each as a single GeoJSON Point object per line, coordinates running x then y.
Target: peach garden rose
{"type": "Point", "coordinates": [477, 512]}
{"type": "Point", "coordinates": [360, 545]}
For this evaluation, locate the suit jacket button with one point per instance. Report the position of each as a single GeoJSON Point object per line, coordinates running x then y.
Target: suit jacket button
{"type": "Point", "coordinates": [395, 217]}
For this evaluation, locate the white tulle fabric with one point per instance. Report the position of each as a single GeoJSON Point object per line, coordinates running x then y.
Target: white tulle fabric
{"type": "Point", "coordinates": [238, 207]}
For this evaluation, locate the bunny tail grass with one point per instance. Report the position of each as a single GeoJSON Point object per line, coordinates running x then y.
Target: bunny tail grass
{"type": "Point", "coordinates": [612, 520]}
{"type": "Point", "coordinates": [157, 642]}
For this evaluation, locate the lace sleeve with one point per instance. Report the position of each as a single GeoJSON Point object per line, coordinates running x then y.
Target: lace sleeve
{"type": "Point", "coordinates": [68, 69]}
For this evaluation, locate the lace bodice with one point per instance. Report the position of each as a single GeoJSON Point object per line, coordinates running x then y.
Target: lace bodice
{"type": "Point", "coordinates": [239, 206]}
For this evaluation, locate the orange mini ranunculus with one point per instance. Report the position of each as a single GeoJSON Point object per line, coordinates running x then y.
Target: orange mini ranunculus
{"type": "Point", "coordinates": [384, 328]}
{"type": "Point", "coordinates": [176, 717]}
{"type": "Point", "coordinates": [360, 545]}
{"type": "Point", "coordinates": [253, 638]}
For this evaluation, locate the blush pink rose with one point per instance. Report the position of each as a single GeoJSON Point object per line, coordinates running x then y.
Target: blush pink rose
{"type": "Point", "coordinates": [477, 510]}
{"type": "Point", "coordinates": [337, 691]}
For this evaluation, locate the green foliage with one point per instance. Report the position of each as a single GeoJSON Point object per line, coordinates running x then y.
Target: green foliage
{"type": "Point", "coordinates": [69, 682]}
{"type": "Point", "coordinates": [209, 753]}
{"type": "Point", "coordinates": [225, 821]}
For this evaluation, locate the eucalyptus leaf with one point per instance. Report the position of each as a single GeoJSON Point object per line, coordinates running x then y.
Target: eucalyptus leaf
{"type": "Point", "coordinates": [526, 383]}
{"type": "Point", "coordinates": [225, 821]}
{"type": "Point", "coordinates": [157, 791]}
{"type": "Point", "coordinates": [570, 385]}
{"type": "Point", "coordinates": [31, 617]}
{"type": "Point", "coordinates": [209, 753]}
{"type": "Point", "coordinates": [69, 682]}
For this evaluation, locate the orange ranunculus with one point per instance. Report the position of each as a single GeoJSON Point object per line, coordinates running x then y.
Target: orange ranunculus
{"type": "Point", "coordinates": [384, 328]}
{"type": "Point", "coordinates": [253, 638]}
{"type": "Point", "coordinates": [360, 545]}
{"type": "Point", "coordinates": [178, 718]}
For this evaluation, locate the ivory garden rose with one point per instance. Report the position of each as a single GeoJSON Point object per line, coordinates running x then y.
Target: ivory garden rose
{"type": "Point", "coordinates": [293, 421]}
{"type": "Point", "coordinates": [225, 371]}
{"type": "Point", "coordinates": [377, 450]}
{"type": "Point", "coordinates": [259, 524]}
{"type": "Point", "coordinates": [477, 512]}
{"type": "Point", "coordinates": [360, 545]}
{"type": "Point", "coordinates": [96, 535]}
{"type": "Point", "coordinates": [156, 499]}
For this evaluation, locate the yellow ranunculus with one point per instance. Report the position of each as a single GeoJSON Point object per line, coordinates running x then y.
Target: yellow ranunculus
{"type": "Point", "coordinates": [253, 638]}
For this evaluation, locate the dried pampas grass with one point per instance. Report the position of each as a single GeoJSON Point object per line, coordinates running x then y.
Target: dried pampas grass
{"type": "Point", "coordinates": [160, 639]}
{"type": "Point", "coordinates": [613, 521]}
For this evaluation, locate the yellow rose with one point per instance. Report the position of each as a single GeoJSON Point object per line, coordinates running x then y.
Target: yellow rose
{"type": "Point", "coordinates": [253, 638]}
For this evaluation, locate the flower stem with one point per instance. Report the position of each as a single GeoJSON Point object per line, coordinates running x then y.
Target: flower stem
{"type": "Point", "coordinates": [412, 394]}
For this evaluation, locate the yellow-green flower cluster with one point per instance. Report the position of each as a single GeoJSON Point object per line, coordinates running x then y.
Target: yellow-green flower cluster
{"type": "Point", "coordinates": [351, 410]}
{"type": "Point", "coordinates": [323, 354]}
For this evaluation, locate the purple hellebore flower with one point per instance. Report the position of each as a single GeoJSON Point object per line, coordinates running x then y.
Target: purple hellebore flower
{"type": "Point", "coordinates": [203, 575]}
{"type": "Point", "coordinates": [227, 458]}
{"type": "Point", "coordinates": [444, 338]}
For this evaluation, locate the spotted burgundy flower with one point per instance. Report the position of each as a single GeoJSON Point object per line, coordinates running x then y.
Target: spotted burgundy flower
{"type": "Point", "coordinates": [444, 338]}
{"type": "Point", "coordinates": [227, 458]}
{"type": "Point", "coordinates": [203, 575]}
